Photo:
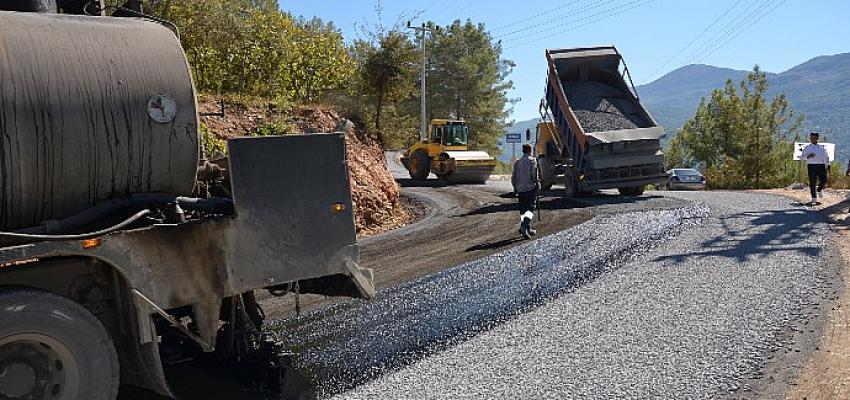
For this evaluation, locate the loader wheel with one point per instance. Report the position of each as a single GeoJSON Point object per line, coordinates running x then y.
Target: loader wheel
{"type": "Point", "coordinates": [420, 166]}
{"type": "Point", "coordinates": [53, 348]}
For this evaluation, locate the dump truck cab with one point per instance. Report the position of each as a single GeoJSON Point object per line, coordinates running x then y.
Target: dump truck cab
{"type": "Point", "coordinates": [445, 152]}
{"type": "Point", "coordinates": [594, 131]}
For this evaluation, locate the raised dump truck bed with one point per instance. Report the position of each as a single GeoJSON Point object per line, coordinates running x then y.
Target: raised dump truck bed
{"type": "Point", "coordinates": [595, 133]}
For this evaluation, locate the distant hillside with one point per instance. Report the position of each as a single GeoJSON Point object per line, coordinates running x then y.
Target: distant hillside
{"type": "Point", "coordinates": [819, 88]}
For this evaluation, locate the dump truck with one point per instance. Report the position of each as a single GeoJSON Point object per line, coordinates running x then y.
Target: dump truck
{"type": "Point", "coordinates": [123, 251]}
{"type": "Point", "coordinates": [445, 153]}
{"type": "Point", "coordinates": [594, 133]}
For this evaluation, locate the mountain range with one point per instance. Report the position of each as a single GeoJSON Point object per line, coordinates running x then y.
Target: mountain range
{"type": "Point", "coordinates": [819, 88]}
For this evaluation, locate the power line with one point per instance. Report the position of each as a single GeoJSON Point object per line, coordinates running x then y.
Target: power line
{"type": "Point", "coordinates": [467, 6]}
{"type": "Point", "coordinates": [602, 16]}
{"type": "Point", "coordinates": [533, 16]}
{"type": "Point", "coordinates": [741, 31]}
{"type": "Point", "coordinates": [429, 6]}
{"type": "Point", "coordinates": [557, 18]}
{"type": "Point", "coordinates": [731, 26]}
{"type": "Point", "coordinates": [444, 9]}
{"type": "Point", "coordinates": [697, 37]}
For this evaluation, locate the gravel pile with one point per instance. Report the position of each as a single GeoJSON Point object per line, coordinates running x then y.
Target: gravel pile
{"type": "Point", "coordinates": [582, 315]}
{"type": "Point", "coordinates": [353, 342]}
{"type": "Point", "coordinates": [600, 107]}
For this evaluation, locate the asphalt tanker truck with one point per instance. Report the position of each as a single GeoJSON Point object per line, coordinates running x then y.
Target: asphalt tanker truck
{"type": "Point", "coordinates": [121, 250]}
{"type": "Point", "coordinates": [594, 133]}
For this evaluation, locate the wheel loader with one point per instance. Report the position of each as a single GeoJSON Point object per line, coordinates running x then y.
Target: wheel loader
{"type": "Point", "coordinates": [445, 153]}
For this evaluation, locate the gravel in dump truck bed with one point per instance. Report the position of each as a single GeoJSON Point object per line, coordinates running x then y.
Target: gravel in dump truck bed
{"type": "Point", "coordinates": [600, 107]}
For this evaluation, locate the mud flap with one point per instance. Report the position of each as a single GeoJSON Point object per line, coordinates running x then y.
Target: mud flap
{"type": "Point", "coordinates": [294, 213]}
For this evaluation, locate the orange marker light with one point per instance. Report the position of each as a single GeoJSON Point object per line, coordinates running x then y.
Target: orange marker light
{"type": "Point", "coordinates": [91, 243]}
{"type": "Point", "coordinates": [338, 208]}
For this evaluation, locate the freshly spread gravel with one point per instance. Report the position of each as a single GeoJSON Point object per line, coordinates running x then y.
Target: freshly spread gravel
{"type": "Point", "coordinates": [679, 303]}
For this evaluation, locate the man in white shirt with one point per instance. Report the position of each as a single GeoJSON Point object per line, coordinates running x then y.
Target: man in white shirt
{"type": "Point", "coordinates": [818, 160]}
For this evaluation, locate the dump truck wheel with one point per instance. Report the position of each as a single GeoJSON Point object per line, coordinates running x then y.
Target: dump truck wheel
{"type": "Point", "coordinates": [53, 348]}
{"type": "Point", "coordinates": [631, 191]}
{"type": "Point", "coordinates": [545, 172]}
{"type": "Point", "coordinates": [420, 166]}
{"type": "Point", "coordinates": [570, 184]}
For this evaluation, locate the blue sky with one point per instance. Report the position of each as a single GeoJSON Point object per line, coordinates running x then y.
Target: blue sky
{"type": "Point", "coordinates": [654, 36]}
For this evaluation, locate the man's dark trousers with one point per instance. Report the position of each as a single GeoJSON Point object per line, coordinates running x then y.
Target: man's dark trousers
{"type": "Point", "coordinates": [817, 172]}
{"type": "Point", "coordinates": [526, 204]}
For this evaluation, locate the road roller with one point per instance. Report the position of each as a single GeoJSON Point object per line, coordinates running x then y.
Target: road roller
{"type": "Point", "coordinates": [123, 253]}
{"type": "Point", "coordinates": [446, 154]}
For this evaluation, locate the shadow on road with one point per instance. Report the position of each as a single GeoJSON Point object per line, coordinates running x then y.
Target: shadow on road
{"type": "Point", "coordinates": [407, 182]}
{"type": "Point", "coordinates": [762, 234]}
{"type": "Point", "coordinates": [552, 201]}
{"type": "Point", "coordinates": [495, 245]}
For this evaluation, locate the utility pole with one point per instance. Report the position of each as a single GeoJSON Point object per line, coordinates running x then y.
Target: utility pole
{"type": "Point", "coordinates": [423, 124]}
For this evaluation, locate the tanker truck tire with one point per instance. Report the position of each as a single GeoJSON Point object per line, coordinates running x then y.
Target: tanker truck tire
{"type": "Point", "coordinates": [420, 166]}
{"type": "Point", "coordinates": [53, 348]}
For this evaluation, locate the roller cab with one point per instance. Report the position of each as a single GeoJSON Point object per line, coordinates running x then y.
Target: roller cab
{"type": "Point", "coordinates": [446, 154]}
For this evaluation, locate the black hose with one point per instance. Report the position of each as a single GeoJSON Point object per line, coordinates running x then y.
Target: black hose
{"type": "Point", "coordinates": [100, 212]}
{"type": "Point", "coordinates": [135, 217]}
{"type": "Point", "coordinates": [122, 205]}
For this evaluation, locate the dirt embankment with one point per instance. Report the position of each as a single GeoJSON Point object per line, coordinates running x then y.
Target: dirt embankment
{"type": "Point", "coordinates": [375, 194]}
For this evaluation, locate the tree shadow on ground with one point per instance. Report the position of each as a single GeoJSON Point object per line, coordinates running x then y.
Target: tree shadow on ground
{"type": "Point", "coordinates": [762, 234]}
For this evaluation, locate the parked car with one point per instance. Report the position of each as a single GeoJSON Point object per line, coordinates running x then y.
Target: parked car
{"type": "Point", "coordinates": [685, 179]}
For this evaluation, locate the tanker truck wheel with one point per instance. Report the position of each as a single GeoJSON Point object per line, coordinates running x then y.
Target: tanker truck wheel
{"type": "Point", "coordinates": [53, 348]}
{"type": "Point", "coordinates": [420, 166]}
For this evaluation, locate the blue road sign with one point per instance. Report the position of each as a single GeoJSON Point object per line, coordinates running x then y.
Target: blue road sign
{"type": "Point", "coordinates": [513, 138]}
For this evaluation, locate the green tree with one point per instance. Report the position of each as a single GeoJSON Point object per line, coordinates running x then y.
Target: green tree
{"type": "Point", "coordinates": [738, 137]}
{"type": "Point", "coordinates": [387, 71]}
{"type": "Point", "coordinates": [467, 78]}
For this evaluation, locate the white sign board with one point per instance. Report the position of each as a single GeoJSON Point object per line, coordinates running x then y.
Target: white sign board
{"type": "Point", "coordinates": [829, 147]}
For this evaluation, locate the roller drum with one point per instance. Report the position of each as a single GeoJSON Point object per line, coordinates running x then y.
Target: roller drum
{"type": "Point", "coordinates": [91, 108]}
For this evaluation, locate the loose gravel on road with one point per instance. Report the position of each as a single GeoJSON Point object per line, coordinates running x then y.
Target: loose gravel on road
{"type": "Point", "coordinates": [686, 303]}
